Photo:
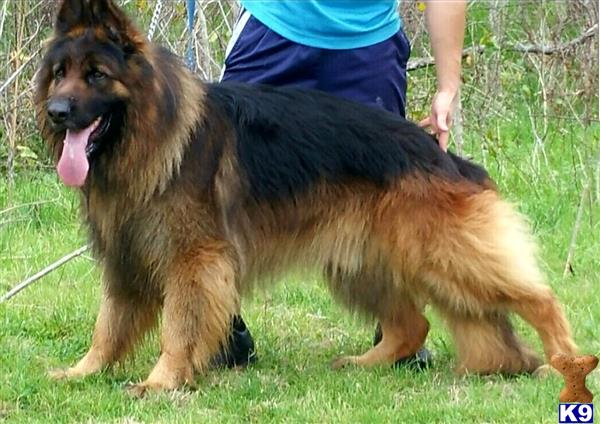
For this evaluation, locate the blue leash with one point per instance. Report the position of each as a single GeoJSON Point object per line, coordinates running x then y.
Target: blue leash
{"type": "Point", "coordinates": [190, 57]}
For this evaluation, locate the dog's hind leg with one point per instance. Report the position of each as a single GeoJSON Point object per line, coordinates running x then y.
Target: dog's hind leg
{"type": "Point", "coordinates": [486, 343]}
{"type": "Point", "coordinates": [403, 334]}
{"type": "Point", "coordinates": [121, 322]}
{"type": "Point", "coordinates": [480, 265]}
{"type": "Point", "coordinates": [200, 301]}
{"type": "Point", "coordinates": [545, 314]}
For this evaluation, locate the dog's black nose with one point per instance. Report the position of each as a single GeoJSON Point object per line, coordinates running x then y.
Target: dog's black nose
{"type": "Point", "coordinates": [59, 110]}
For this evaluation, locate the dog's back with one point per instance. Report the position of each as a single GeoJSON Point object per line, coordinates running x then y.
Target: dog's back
{"type": "Point", "coordinates": [288, 139]}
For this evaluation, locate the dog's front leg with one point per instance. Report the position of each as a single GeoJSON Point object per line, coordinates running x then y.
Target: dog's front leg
{"type": "Point", "coordinates": [121, 322]}
{"type": "Point", "coordinates": [200, 299]}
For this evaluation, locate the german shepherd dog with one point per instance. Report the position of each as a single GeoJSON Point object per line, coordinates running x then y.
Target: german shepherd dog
{"type": "Point", "coordinates": [194, 192]}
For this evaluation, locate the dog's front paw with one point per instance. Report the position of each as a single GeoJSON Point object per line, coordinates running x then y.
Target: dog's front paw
{"type": "Point", "coordinates": [82, 369]}
{"type": "Point", "coordinates": [66, 373]}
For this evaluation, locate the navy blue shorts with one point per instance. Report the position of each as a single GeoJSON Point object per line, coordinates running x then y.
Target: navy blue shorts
{"type": "Point", "coordinates": [374, 75]}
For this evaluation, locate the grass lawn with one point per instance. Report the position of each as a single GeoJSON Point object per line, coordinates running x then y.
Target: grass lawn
{"type": "Point", "coordinates": [298, 329]}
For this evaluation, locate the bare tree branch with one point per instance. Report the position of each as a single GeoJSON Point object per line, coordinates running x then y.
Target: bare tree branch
{"type": "Point", "coordinates": [519, 47]}
{"type": "Point", "coordinates": [16, 73]}
{"type": "Point", "coordinates": [558, 48]}
{"type": "Point", "coordinates": [423, 62]}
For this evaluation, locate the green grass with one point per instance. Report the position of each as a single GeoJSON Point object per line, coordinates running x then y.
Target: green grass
{"type": "Point", "coordinates": [297, 328]}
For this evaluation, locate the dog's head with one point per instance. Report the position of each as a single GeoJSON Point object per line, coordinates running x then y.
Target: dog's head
{"type": "Point", "coordinates": [83, 84]}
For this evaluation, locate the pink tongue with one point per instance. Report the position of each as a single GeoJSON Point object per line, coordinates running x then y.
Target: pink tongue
{"type": "Point", "coordinates": [73, 165]}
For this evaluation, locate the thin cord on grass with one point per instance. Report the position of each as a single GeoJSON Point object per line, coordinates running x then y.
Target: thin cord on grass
{"type": "Point", "coordinates": [52, 267]}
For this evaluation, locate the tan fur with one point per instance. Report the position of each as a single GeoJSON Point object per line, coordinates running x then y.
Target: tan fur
{"type": "Point", "coordinates": [167, 244]}
{"type": "Point", "coordinates": [154, 163]}
{"type": "Point", "coordinates": [487, 344]}
{"type": "Point", "coordinates": [403, 332]}
{"type": "Point", "coordinates": [466, 252]}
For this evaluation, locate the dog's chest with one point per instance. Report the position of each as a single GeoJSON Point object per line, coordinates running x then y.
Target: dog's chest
{"type": "Point", "coordinates": [134, 245]}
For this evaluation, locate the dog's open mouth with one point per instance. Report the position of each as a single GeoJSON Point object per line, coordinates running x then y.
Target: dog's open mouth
{"type": "Point", "coordinates": [78, 145]}
{"type": "Point", "coordinates": [101, 127]}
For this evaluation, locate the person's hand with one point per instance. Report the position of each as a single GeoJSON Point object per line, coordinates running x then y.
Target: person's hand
{"type": "Point", "coordinates": [440, 119]}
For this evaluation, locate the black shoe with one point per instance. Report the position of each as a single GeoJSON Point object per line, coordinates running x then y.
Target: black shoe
{"type": "Point", "coordinates": [421, 360]}
{"type": "Point", "coordinates": [240, 350]}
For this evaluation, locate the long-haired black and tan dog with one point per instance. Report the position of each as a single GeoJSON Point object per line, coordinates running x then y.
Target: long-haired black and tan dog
{"type": "Point", "coordinates": [193, 192]}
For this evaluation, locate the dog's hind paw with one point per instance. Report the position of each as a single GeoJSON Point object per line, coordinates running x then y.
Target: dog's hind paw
{"type": "Point", "coordinates": [342, 362]}
{"type": "Point", "coordinates": [544, 371]}
{"type": "Point", "coordinates": [59, 373]}
{"type": "Point", "coordinates": [142, 389]}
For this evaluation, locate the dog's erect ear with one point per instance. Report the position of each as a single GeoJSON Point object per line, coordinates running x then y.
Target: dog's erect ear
{"type": "Point", "coordinates": [70, 15]}
{"type": "Point", "coordinates": [99, 13]}
{"type": "Point", "coordinates": [118, 26]}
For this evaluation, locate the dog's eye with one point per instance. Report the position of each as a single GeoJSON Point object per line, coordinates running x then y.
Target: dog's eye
{"type": "Point", "coordinates": [59, 74]}
{"type": "Point", "coordinates": [97, 75]}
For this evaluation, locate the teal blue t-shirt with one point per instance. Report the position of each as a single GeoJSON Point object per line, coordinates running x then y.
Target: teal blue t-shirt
{"type": "Point", "coordinates": [329, 24]}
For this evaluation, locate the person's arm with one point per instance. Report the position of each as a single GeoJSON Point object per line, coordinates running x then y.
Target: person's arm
{"type": "Point", "coordinates": [446, 25]}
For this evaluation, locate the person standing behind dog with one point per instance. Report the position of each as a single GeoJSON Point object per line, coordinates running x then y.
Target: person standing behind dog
{"type": "Point", "coordinates": [354, 49]}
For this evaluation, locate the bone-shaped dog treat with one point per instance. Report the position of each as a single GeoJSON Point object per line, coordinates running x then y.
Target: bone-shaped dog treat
{"type": "Point", "coordinates": [574, 369]}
